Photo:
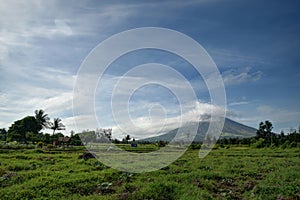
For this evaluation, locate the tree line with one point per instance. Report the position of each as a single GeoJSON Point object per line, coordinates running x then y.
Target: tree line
{"type": "Point", "coordinates": [28, 129]}
{"type": "Point", "coordinates": [266, 138]}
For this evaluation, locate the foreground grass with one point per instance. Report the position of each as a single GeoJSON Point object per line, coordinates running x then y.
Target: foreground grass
{"type": "Point", "coordinates": [234, 173]}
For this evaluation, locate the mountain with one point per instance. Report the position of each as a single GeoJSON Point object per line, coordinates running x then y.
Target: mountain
{"type": "Point", "coordinates": [231, 129]}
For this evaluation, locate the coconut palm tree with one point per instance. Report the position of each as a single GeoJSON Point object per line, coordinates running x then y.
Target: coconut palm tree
{"type": "Point", "coordinates": [42, 118]}
{"type": "Point", "coordinates": [56, 125]}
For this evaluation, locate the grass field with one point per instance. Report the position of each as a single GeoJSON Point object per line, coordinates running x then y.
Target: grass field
{"type": "Point", "coordinates": [234, 173]}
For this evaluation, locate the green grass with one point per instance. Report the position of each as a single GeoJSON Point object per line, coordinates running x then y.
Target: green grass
{"type": "Point", "coordinates": [234, 173]}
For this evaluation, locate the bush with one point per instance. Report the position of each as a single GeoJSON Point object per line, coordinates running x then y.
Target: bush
{"type": "Point", "coordinates": [285, 144]}
{"type": "Point", "coordinates": [259, 143]}
{"type": "Point", "coordinates": [40, 144]}
{"type": "Point", "coordinates": [161, 144]}
{"type": "Point", "coordinates": [87, 155]}
{"type": "Point", "coordinates": [195, 146]}
{"type": "Point", "coordinates": [293, 144]}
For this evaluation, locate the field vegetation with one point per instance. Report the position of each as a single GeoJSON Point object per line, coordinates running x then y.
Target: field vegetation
{"type": "Point", "coordinates": [232, 172]}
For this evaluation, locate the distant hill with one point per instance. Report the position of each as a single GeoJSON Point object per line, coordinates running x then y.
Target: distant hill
{"type": "Point", "coordinates": [231, 129]}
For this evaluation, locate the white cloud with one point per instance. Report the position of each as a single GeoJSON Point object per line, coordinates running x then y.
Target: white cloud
{"type": "Point", "coordinates": [238, 76]}
{"type": "Point", "coordinates": [230, 56]}
{"type": "Point", "coordinates": [31, 34]}
{"type": "Point", "coordinates": [278, 115]}
{"type": "Point", "coordinates": [238, 103]}
{"type": "Point", "coordinates": [21, 97]}
{"type": "Point", "coordinates": [157, 124]}
{"type": "Point", "coordinates": [24, 24]}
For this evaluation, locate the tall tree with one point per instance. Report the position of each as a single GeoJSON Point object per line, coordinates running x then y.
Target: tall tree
{"type": "Point", "coordinates": [265, 129]}
{"type": "Point", "coordinates": [265, 132]}
{"type": "Point", "coordinates": [127, 138]}
{"type": "Point", "coordinates": [18, 130]}
{"type": "Point", "coordinates": [42, 118]}
{"type": "Point", "coordinates": [56, 125]}
{"type": "Point", "coordinates": [3, 134]}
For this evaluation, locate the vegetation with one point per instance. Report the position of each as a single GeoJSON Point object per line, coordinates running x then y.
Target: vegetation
{"type": "Point", "coordinates": [42, 118]}
{"type": "Point", "coordinates": [21, 129]}
{"type": "Point", "coordinates": [266, 138]}
{"type": "Point", "coordinates": [56, 125]}
{"type": "Point", "coordinates": [236, 173]}
{"type": "Point", "coordinates": [29, 129]}
{"type": "Point", "coordinates": [26, 129]}
{"type": "Point", "coordinates": [3, 134]}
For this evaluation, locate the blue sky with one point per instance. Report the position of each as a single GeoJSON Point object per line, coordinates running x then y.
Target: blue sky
{"type": "Point", "coordinates": [254, 44]}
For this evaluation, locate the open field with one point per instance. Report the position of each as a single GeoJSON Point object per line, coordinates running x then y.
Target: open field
{"type": "Point", "coordinates": [234, 173]}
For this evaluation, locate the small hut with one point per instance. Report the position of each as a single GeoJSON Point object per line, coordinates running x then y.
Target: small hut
{"type": "Point", "coordinates": [64, 141]}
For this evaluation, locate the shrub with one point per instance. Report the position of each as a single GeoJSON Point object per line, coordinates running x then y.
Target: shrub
{"type": "Point", "coordinates": [259, 143]}
{"type": "Point", "coordinates": [195, 146]}
{"type": "Point", "coordinates": [40, 144]}
{"type": "Point", "coordinates": [293, 144]}
{"type": "Point", "coordinates": [161, 144]}
{"type": "Point", "coordinates": [87, 155]}
{"type": "Point", "coordinates": [285, 144]}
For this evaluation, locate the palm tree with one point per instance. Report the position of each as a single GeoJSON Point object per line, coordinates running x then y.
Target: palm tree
{"type": "Point", "coordinates": [56, 125]}
{"type": "Point", "coordinates": [42, 118]}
